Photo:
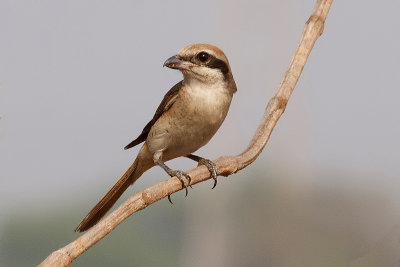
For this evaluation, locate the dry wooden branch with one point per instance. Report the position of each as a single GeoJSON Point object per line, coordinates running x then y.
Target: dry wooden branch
{"type": "Point", "coordinates": [226, 165]}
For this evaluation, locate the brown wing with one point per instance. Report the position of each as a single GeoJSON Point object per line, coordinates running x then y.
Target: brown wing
{"type": "Point", "coordinates": [165, 104]}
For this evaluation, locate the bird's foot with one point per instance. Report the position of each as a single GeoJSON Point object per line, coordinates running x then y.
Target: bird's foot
{"type": "Point", "coordinates": [180, 175]}
{"type": "Point", "coordinates": [212, 168]}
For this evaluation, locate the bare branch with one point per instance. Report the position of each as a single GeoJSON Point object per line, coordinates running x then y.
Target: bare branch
{"type": "Point", "coordinates": [226, 165]}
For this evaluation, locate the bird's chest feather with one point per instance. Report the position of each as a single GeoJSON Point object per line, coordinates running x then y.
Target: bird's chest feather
{"type": "Point", "coordinates": [190, 122]}
{"type": "Point", "coordinates": [205, 105]}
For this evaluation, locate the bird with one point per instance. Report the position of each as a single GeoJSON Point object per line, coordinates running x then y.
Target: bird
{"type": "Point", "coordinates": [187, 118]}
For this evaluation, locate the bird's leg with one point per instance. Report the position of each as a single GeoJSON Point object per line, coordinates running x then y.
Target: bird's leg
{"type": "Point", "coordinates": [212, 168]}
{"type": "Point", "coordinates": [172, 173]}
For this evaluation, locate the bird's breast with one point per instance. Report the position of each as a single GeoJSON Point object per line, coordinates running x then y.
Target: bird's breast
{"type": "Point", "coordinates": [207, 105]}
{"type": "Point", "coordinates": [191, 121]}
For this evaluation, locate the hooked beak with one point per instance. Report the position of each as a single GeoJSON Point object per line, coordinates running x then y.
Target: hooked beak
{"type": "Point", "coordinates": [175, 62]}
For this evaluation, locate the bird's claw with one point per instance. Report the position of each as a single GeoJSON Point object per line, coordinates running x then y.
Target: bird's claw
{"type": "Point", "coordinates": [212, 168]}
{"type": "Point", "coordinates": [180, 175]}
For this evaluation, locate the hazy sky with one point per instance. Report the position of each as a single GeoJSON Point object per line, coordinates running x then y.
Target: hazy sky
{"type": "Point", "coordinates": [80, 79]}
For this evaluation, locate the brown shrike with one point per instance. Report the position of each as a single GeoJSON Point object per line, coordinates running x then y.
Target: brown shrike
{"type": "Point", "coordinates": [188, 116]}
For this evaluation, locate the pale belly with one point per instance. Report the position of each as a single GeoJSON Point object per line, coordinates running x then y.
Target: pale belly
{"type": "Point", "coordinates": [188, 125]}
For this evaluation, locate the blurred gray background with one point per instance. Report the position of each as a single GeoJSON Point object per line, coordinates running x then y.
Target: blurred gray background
{"type": "Point", "coordinates": [80, 79]}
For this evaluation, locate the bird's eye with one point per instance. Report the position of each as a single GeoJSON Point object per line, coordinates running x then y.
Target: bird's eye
{"type": "Point", "coordinates": [203, 56]}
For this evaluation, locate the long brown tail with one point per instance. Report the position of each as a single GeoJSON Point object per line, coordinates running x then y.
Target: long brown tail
{"type": "Point", "coordinates": [105, 204]}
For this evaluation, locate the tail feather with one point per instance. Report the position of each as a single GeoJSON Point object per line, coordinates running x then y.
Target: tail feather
{"type": "Point", "coordinates": [105, 204]}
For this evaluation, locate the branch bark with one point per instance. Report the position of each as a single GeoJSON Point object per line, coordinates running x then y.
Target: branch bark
{"type": "Point", "coordinates": [226, 165]}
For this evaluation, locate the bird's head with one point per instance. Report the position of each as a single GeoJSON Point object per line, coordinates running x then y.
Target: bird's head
{"type": "Point", "coordinates": [204, 63]}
